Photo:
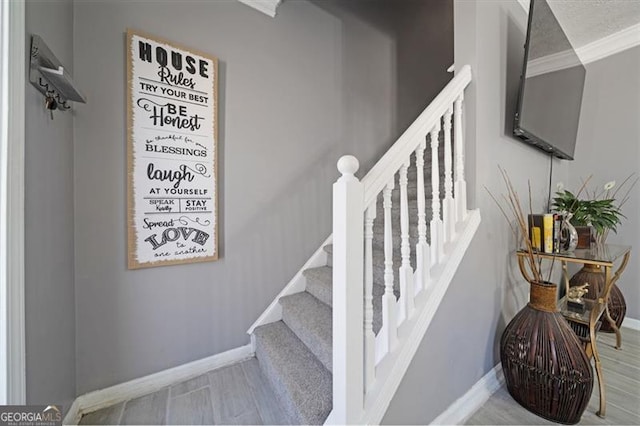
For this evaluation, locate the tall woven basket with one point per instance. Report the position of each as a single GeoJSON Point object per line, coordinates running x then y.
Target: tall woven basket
{"type": "Point", "coordinates": [594, 275]}
{"type": "Point", "coordinates": [545, 367]}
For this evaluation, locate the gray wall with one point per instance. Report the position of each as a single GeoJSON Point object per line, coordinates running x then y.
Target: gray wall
{"type": "Point", "coordinates": [49, 244]}
{"type": "Point", "coordinates": [424, 52]}
{"type": "Point", "coordinates": [607, 148]}
{"type": "Point", "coordinates": [461, 344]}
{"type": "Point", "coordinates": [296, 93]}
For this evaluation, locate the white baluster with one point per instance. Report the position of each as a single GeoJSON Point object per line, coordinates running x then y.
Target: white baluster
{"type": "Point", "coordinates": [407, 288]}
{"type": "Point", "coordinates": [460, 185]}
{"type": "Point", "coordinates": [369, 337]}
{"type": "Point", "coordinates": [388, 332]}
{"type": "Point", "coordinates": [437, 243]}
{"type": "Point", "coordinates": [448, 206]}
{"type": "Point", "coordinates": [348, 256]}
{"type": "Point", "coordinates": [423, 261]}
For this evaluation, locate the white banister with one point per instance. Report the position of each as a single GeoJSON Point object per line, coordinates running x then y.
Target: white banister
{"type": "Point", "coordinates": [460, 185]}
{"type": "Point", "coordinates": [423, 261]}
{"type": "Point", "coordinates": [388, 333]}
{"type": "Point", "coordinates": [407, 288]}
{"type": "Point", "coordinates": [348, 381]}
{"type": "Point", "coordinates": [367, 368]}
{"type": "Point", "coordinates": [437, 246]}
{"type": "Point", "coordinates": [380, 174]}
{"type": "Point", "coordinates": [448, 207]}
{"type": "Point", "coordinates": [369, 336]}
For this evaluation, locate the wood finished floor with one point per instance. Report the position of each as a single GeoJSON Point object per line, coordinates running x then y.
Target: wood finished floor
{"type": "Point", "coordinates": [239, 394]}
{"type": "Point", "coordinates": [621, 370]}
{"type": "Point", "coordinates": [233, 395]}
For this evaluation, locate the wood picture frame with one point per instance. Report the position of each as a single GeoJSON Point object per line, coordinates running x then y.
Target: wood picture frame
{"type": "Point", "coordinates": [172, 158]}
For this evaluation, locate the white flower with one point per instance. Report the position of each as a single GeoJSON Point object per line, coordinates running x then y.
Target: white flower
{"type": "Point", "coordinates": [609, 185]}
{"type": "Point", "coordinates": [559, 186]}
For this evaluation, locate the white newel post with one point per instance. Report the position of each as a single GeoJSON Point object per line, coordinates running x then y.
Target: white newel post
{"type": "Point", "coordinates": [460, 185]}
{"type": "Point", "coordinates": [437, 243]}
{"type": "Point", "coordinates": [448, 205]}
{"type": "Point", "coordinates": [423, 261]}
{"type": "Point", "coordinates": [348, 244]}
{"type": "Point", "coordinates": [407, 287]}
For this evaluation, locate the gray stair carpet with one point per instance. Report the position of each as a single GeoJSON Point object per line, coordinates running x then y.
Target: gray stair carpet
{"type": "Point", "coordinates": [300, 381]}
{"type": "Point", "coordinates": [319, 280]}
{"type": "Point", "coordinates": [311, 320]}
{"type": "Point", "coordinates": [296, 353]}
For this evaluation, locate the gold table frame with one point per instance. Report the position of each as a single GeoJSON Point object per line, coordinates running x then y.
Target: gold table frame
{"type": "Point", "coordinates": [602, 256]}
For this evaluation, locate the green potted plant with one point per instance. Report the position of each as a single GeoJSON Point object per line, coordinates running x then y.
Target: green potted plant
{"type": "Point", "coordinates": [600, 210]}
{"type": "Point", "coordinates": [602, 215]}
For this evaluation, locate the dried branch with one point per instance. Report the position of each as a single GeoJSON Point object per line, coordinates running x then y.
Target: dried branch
{"type": "Point", "coordinates": [514, 210]}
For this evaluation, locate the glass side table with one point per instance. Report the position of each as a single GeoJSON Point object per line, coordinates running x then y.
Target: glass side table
{"type": "Point", "coordinates": [586, 324]}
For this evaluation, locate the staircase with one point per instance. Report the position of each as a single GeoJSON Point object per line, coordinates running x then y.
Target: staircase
{"type": "Point", "coordinates": [349, 373]}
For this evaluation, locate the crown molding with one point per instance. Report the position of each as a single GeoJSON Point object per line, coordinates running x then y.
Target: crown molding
{"type": "Point", "coordinates": [268, 7]}
{"type": "Point", "coordinates": [610, 45]}
{"type": "Point", "coordinates": [550, 63]}
{"type": "Point", "coordinates": [594, 51]}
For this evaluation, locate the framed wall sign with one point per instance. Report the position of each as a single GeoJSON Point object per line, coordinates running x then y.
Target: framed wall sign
{"type": "Point", "coordinates": [172, 153]}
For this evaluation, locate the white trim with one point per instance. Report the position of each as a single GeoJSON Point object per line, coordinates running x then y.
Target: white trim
{"type": "Point", "coordinates": [390, 371]}
{"type": "Point", "coordinates": [297, 284]}
{"type": "Point", "coordinates": [525, 5]}
{"type": "Point", "coordinates": [268, 7]}
{"type": "Point", "coordinates": [12, 200]}
{"type": "Point", "coordinates": [96, 400]}
{"type": "Point", "coordinates": [555, 62]}
{"type": "Point", "coordinates": [594, 51]}
{"type": "Point", "coordinates": [631, 323]}
{"type": "Point", "coordinates": [73, 416]}
{"type": "Point", "coordinates": [464, 407]}
{"type": "Point", "coordinates": [610, 45]}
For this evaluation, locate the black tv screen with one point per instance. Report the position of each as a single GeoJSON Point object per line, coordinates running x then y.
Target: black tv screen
{"type": "Point", "coordinates": [551, 86]}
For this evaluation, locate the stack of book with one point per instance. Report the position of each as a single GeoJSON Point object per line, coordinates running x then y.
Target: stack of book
{"type": "Point", "coordinates": [545, 232]}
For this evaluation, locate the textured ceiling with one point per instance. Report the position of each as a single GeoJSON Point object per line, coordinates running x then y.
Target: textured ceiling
{"type": "Point", "coordinates": [582, 21]}
{"type": "Point", "coordinates": [586, 21]}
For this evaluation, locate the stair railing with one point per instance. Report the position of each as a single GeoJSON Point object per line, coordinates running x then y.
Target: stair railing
{"type": "Point", "coordinates": [359, 356]}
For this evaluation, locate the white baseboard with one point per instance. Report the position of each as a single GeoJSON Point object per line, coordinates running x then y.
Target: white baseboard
{"type": "Point", "coordinates": [464, 407]}
{"type": "Point", "coordinates": [631, 323]}
{"type": "Point", "coordinates": [102, 398]}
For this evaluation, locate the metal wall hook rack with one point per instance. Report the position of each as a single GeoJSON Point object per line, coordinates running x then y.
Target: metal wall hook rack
{"type": "Point", "coordinates": [47, 74]}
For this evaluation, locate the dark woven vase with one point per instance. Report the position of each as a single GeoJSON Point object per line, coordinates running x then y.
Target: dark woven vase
{"type": "Point", "coordinates": [594, 275]}
{"type": "Point", "coordinates": [544, 365]}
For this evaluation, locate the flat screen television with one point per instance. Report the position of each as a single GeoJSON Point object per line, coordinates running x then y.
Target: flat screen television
{"type": "Point", "coordinates": [551, 86]}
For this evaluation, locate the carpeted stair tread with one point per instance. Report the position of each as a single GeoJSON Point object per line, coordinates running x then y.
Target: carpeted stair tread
{"type": "Point", "coordinates": [378, 264]}
{"type": "Point", "coordinates": [378, 280]}
{"type": "Point", "coordinates": [302, 384]}
{"type": "Point", "coordinates": [319, 279]}
{"type": "Point", "coordinates": [311, 321]}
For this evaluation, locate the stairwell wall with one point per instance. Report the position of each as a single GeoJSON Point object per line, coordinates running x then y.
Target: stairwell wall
{"type": "Point", "coordinates": [296, 93]}
{"type": "Point", "coordinates": [462, 343]}
{"type": "Point", "coordinates": [49, 215]}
